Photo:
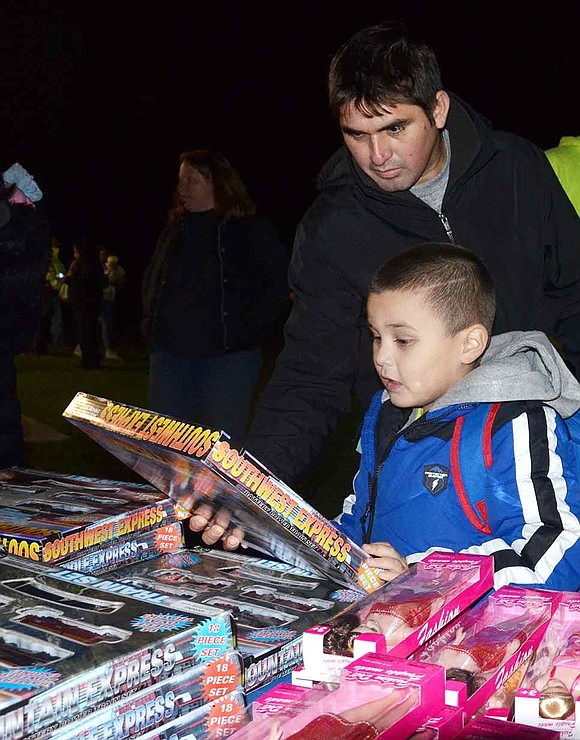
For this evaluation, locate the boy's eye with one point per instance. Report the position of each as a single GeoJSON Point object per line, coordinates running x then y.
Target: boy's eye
{"type": "Point", "coordinates": [402, 342]}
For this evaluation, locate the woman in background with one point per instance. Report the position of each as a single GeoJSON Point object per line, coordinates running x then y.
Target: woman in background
{"type": "Point", "coordinates": [214, 289]}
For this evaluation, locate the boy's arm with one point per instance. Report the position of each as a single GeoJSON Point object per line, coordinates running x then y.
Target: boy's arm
{"type": "Point", "coordinates": [533, 504]}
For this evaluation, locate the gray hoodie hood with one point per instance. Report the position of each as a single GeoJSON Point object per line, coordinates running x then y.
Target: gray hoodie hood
{"type": "Point", "coordinates": [518, 366]}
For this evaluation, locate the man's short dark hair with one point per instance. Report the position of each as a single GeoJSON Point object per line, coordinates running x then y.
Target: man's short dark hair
{"type": "Point", "coordinates": [382, 65]}
{"type": "Point", "coordinates": [456, 283]}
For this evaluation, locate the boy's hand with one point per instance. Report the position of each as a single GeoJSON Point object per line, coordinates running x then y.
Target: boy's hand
{"type": "Point", "coordinates": [386, 560]}
{"type": "Point", "coordinates": [216, 526]}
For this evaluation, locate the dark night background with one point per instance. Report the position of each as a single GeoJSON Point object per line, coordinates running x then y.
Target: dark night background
{"type": "Point", "coordinates": [98, 99]}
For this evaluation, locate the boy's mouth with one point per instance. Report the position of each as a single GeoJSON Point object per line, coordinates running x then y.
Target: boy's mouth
{"type": "Point", "coordinates": [391, 385]}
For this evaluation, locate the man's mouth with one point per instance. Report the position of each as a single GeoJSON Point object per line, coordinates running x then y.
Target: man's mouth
{"type": "Point", "coordinates": [387, 174]}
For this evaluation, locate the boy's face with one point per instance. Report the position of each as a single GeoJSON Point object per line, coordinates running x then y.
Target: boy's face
{"type": "Point", "coordinates": [413, 354]}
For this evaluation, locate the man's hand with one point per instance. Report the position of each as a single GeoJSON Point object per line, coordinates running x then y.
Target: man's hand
{"type": "Point", "coordinates": [216, 526]}
{"type": "Point", "coordinates": [386, 560]}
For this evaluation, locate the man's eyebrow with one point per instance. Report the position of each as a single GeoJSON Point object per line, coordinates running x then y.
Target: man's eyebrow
{"type": "Point", "coordinates": [391, 124]}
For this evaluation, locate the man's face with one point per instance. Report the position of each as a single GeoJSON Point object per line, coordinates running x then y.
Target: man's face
{"type": "Point", "coordinates": [195, 190]}
{"type": "Point", "coordinates": [416, 359]}
{"type": "Point", "coordinates": [400, 147]}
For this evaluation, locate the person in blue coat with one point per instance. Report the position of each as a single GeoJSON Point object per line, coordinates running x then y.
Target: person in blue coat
{"type": "Point", "coordinates": [448, 388]}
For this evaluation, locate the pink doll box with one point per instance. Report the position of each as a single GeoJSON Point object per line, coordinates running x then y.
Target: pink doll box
{"type": "Point", "coordinates": [443, 725]}
{"type": "Point", "coordinates": [277, 700]}
{"type": "Point", "coordinates": [557, 649]}
{"type": "Point", "coordinates": [501, 632]}
{"type": "Point", "coordinates": [378, 677]}
{"type": "Point", "coordinates": [486, 727]}
{"type": "Point", "coordinates": [501, 704]}
{"type": "Point", "coordinates": [395, 696]}
{"type": "Point", "coordinates": [430, 594]}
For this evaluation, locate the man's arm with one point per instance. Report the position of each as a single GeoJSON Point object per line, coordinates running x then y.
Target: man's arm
{"type": "Point", "coordinates": [310, 388]}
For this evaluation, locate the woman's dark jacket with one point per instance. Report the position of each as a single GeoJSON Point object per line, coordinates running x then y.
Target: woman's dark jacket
{"type": "Point", "coordinates": [232, 293]}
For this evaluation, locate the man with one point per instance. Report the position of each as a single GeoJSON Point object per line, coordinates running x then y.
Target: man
{"type": "Point", "coordinates": [418, 165]}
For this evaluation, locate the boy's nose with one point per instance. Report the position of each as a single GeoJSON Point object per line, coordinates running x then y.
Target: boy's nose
{"type": "Point", "coordinates": [383, 359]}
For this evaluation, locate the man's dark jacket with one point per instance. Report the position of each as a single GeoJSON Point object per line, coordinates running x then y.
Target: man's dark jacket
{"type": "Point", "coordinates": [503, 201]}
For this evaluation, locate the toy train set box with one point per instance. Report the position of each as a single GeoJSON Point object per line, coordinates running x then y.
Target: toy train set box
{"type": "Point", "coordinates": [210, 694]}
{"type": "Point", "coordinates": [194, 464]}
{"type": "Point", "coordinates": [272, 603]}
{"type": "Point", "coordinates": [54, 517]}
{"type": "Point", "coordinates": [71, 644]}
{"type": "Point", "coordinates": [126, 550]}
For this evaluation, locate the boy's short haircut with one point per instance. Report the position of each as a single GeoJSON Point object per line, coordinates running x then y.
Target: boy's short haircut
{"type": "Point", "coordinates": [456, 283]}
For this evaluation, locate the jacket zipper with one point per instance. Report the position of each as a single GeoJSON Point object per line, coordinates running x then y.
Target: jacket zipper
{"type": "Point", "coordinates": [447, 226]}
{"type": "Point", "coordinates": [368, 518]}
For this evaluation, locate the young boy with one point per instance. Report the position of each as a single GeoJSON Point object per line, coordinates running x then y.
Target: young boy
{"type": "Point", "coordinates": [430, 312]}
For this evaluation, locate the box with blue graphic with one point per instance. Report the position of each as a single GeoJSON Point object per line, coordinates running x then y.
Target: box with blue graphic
{"type": "Point", "coordinates": [71, 643]}
{"type": "Point", "coordinates": [272, 603]}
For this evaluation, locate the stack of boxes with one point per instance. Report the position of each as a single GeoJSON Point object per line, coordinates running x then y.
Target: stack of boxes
{"type": "Point", "coordinates": [111, 627]}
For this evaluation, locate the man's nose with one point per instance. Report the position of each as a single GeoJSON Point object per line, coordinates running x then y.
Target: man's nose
{"type": "Point", "coordinates": [381, 150]}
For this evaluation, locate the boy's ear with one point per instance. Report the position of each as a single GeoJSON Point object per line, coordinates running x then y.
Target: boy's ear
{"type": "Point", "coordinates": [475, 341]}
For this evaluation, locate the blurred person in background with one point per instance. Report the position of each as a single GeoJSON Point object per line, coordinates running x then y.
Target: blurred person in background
{"type": "Point", "coordinates": [114, 275]}
{"type": "Point", "coordinates": [24, 258]}
{"type": "Point", "coordinates": [214, 289]}
{"type": "Point", "coordinates": [85, 295]}
{"type": "Point", "coordinates": [51, 327]}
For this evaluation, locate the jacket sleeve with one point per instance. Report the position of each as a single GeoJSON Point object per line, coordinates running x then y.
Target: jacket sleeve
{"type": "Point", "coordinates": [562, 263]}
{"type": "Point", "coordinates": [533, 504]}
{"type": "Point", "coordinates": [310, 388]}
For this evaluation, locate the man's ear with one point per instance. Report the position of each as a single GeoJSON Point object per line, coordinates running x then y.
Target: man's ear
{"type": "Point", "coordinates": [441, 109]}
{"type": "Point", "coordinates": [475, 341]}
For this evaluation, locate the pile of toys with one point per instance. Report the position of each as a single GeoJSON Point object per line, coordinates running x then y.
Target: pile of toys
{"type": "Point", "coordinates": [110, 627]}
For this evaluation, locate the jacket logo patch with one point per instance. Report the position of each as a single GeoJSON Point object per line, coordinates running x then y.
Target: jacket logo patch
{"type": "Point", "coordinates": [435, 478]}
